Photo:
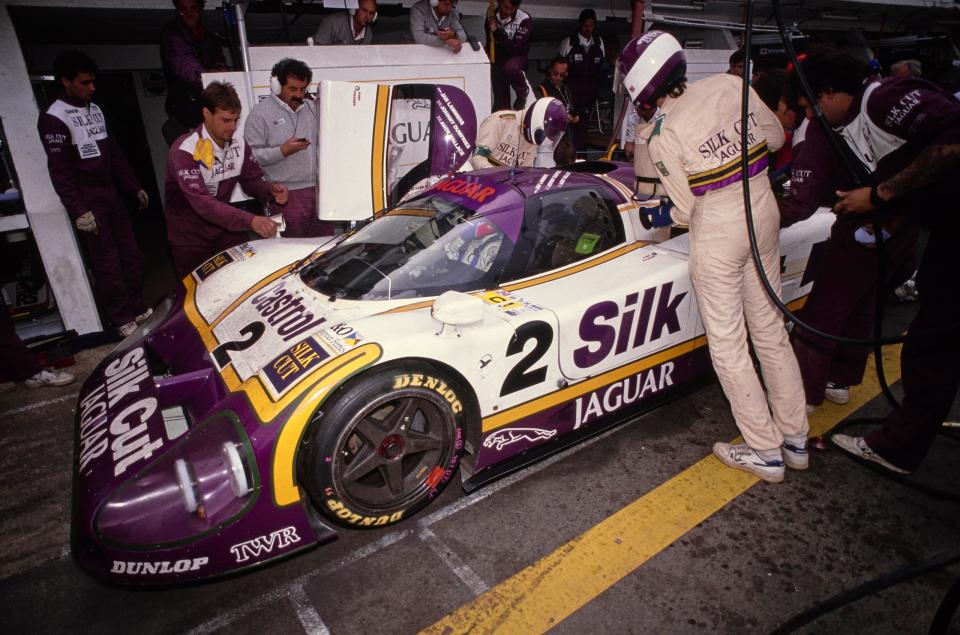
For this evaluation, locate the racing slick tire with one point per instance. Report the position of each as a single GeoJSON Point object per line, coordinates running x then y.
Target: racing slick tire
{"type": "Point", "coordinates": [384, 446]}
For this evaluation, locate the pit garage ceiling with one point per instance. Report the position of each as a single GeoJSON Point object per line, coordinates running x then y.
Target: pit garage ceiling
{"type": "Point", "coordinates": [65, 22]}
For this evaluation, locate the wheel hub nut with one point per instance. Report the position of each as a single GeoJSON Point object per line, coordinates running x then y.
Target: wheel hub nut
{"type": "Point", "coordinates": [391, 447]}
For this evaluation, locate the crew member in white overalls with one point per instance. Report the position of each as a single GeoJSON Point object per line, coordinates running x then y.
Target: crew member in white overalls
{"type": "Point", "coordinates": [695, 146]}
{"type": "Point", "coordinates": [511, 138]}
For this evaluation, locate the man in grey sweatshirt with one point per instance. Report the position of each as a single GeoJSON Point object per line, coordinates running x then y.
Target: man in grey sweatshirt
{"type": "Point", "coordinates": [281, 131]}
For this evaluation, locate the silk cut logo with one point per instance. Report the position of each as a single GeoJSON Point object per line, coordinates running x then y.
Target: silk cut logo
{"type": "Point", "coordinates": [279, 540]}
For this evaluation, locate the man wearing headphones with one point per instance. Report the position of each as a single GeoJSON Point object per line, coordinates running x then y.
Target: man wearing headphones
{"type": "Point", "coordinates": [203, 167]}
{"type": "Point", "coordinates": [281, 131]}
{"type": "Point", "coordinates": [695, 145]}
{"type": "Point", "coordinates": [348, 27]}
{"type": "Point", "coordinates": [510, 27]}
{"type": "Point", "coordinates": [510, 138]}
{"type": "Point", "coordinates": [436, 23]}
{"type": "Point", "coordinates": [187, 49]}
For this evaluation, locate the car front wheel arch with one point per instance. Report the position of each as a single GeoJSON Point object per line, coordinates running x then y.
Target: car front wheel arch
{"type": "Point", "coordinates": [385, 445]}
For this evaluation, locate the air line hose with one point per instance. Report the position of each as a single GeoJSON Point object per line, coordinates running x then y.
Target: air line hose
{"type": "Point", "coordinates": [950, 602]}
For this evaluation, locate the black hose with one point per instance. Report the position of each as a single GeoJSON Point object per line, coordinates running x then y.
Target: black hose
{"type": "Point", "coordinates": [949, 603]}
{"type": "Point", "coordinates": [860, 178]}
{"type": "Point", "coordinates": [870, 587]}
{"type": "Point", "coordinates": [941, 620]}
{"type": "Point", "coordinates": [744, 166]}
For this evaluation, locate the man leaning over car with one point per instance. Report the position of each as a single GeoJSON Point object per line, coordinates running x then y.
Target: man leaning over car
{"type": "Point", "coordinates": [203, 167]}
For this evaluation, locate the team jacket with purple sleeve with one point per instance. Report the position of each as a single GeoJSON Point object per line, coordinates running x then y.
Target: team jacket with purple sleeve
{"type": "Point", "coordinates": [816, 173]}
{"type": "Point", "coordinates": [198, 212]}
{"type": "Point", "coordinates": [513, 36]}
{"type": "Point", "coordinates": [86, 165]}
{"type": "Point", "coordinates": [184, 58]}
{"type": "Point", "coordinates": [894, 119]}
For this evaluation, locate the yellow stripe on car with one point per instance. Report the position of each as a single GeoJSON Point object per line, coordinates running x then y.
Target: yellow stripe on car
{"type": "Point", "coordinates": [378, 164]}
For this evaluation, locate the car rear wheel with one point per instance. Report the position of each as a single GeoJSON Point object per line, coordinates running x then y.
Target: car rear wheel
{"type": "Point", "coordinates": [384, 447]}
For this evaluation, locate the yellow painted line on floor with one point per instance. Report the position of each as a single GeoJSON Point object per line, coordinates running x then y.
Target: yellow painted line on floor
{"type": "Point", "coordinates": [550, 590]}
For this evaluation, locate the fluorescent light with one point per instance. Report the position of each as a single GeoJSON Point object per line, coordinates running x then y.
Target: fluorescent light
{"type": "Point", "coordinates": [692, 6]}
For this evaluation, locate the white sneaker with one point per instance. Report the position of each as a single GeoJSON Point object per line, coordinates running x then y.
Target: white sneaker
{"type": "Point", "coordinates": [49, 377]}
{"type": "Point", "coordinates": [795, 456]}
{"type": "Point", "coordinates": [127, 329]}
{"type": "Point", "coordinates": [857, 446]}
{"type": "Point", "coordinates": [143, 316]}
{"type": "Point", "coordinates": [907, 292]}
{"type": "Point", "coordinates": [743, 457]}
{"type": "Point", "coordinates": [837, 394]}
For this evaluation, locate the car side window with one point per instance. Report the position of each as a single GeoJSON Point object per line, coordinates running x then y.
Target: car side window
{"type": "Point", "coordinates": [566, 226]}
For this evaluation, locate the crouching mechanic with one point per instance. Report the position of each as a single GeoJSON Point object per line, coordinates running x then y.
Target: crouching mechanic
{"type": "Point", "coordinates": [845, 284]}
{"type": "Point", "coordinates": [511, 137]}
{"type": "Point", "coordinates": [203, 167]}
{"type": "Point", "coordinates": [695, 145]}
{"type": "Point", "coordinates": [88, 171]}
{"type": "Point", "coordinates": [907, 131]}
{"type": "Point", "coordinates": [280, 131]}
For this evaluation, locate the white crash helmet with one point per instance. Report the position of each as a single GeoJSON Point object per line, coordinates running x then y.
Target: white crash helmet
{"type": "Point", "coordinates": [544, 119]}
{"type": "Point", "coordinates": [651, 64]}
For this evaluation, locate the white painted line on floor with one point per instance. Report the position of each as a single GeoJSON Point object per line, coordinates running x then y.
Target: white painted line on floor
{"type": "Point", "coordinates": [285, 591]}
{"type": "Point", "coordinates": [65, 550]}
{"type": "Point", "coordinates": [39, 404]}
{"type": "Point", "coordinates": [228, 617]}
{"type": "Point", "coordinates": [309, 618]}
{"type": "Point", "coordinates": [456, 564]}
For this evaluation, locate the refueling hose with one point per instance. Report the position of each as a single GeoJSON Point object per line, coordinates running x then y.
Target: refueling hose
{"type": "Point", "coordinates": [951, 601]}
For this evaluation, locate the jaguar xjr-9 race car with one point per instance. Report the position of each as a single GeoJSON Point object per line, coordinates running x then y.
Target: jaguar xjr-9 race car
{"type": "Point", "coordinates": [293, 390]}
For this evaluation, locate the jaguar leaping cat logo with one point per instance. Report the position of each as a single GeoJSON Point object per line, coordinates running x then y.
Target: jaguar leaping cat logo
{"type": "Point", "coordinates": [507, 437]}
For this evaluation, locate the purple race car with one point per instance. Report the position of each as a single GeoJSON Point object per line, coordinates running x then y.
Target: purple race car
{"type": "Point", "coordinates": [290, 392]}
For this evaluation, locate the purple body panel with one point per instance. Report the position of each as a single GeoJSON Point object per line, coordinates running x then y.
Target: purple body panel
{"type": "Point", "coordinates": [130, 524]}
{"type": "Point", "coordinates": [453, 130]}
{"type": "Point", "coordinates": [615, 401]}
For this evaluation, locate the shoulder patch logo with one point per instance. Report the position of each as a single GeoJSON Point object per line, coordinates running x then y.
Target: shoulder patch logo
{"type": "Point", "coordinates": [656, 126]}
{"type": "Point", "coordinates": [662, 168]}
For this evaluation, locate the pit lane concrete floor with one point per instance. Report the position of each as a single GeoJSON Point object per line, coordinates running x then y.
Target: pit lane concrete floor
{"type": "Point", "coordinates": [638, 530]}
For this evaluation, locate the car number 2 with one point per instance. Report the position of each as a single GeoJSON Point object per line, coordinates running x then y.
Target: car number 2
{"type": "Point", "coordinates": [252, 332]}
{"type": "Point", "coordinates": [523, 375]}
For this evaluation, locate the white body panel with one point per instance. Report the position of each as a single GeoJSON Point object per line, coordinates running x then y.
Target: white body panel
{"type": "Point", "coordinates": [497, 355]}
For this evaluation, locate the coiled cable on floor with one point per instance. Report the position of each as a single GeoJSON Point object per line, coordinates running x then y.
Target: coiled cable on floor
{"type": "Point", "coordinates": [942, 619]}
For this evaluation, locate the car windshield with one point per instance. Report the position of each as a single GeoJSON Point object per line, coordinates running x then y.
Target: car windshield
{"type": "Point", "coordinates": [420, 249]}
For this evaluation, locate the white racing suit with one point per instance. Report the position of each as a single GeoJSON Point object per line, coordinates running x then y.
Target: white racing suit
{"type": "Point", "coordinates": [500, 142]}
{"type": "Point", "coordinates": [650, 190]}
{"type": "Point", "coordinates": [648, 177]}
{"type": "Point", "coordinates": [695, 145]}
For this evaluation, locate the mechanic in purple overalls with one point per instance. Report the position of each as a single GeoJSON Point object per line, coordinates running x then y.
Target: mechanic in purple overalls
{"type": "Point", "coordinates": [843, 299]}
{"type": "Point", "coordinates": [203, 167]}
{"type": "Point", "coordinates": [510, 27]}
{"type": "Point", "coordinates": [88, 170]}
{"type": "Point", "coordinates": [907, 131]}
{"type": "Point", "coordinates": [585, 54]}
{"type": "Point", "coordinates": [187, 49]}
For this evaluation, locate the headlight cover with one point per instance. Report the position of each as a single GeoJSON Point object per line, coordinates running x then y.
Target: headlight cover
{"type": "Point", "coordinates": [205, 482]}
